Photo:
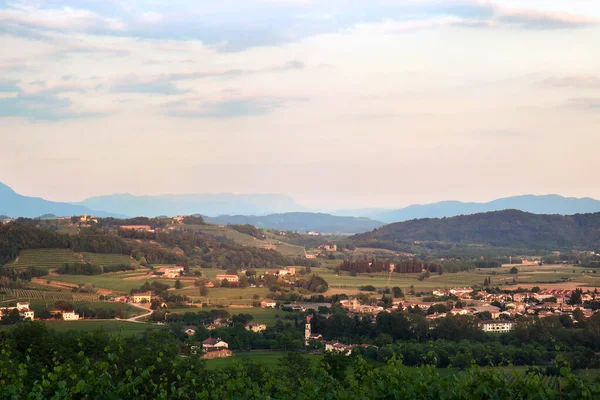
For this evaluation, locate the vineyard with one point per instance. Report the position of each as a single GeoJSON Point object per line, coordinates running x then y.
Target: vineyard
{"type": "Point", "coordinates": [54, 296]}
{"type": "Point", "coordinates": [108, 259]}
{"type": "Point", "coordinates": [47, 258]}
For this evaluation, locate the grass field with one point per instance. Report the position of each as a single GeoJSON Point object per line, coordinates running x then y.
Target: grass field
{"type": "Point", "coordinates": [113, 326]}
{"type": "Point", "coordinates": [226, 296]}
{"type": "Point", "coordinates": [114, 281]}
{"type": "Point", "coordinates": [47, 258]}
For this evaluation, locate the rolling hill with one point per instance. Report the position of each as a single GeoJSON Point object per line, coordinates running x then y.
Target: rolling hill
{"type": "Point", "coordinates": [547, 204]}
{"type": "Point", "coordinates": [508, 228]}
{"type": "Point", "coordinates": [301, 222]}
{"type": "Point", "coordinates": [15, 205]}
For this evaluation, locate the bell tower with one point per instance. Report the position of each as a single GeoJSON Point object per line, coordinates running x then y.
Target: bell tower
{"type": "Point", "coordinates": [307, 329]}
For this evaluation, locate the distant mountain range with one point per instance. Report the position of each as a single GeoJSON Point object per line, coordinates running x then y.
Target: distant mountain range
{"type": "Point", "coordinates": [507, 228]}
{"type": "Point", "coordinates": [547, 204]}
{"type": "Point", "coordinates": [301, 222]}
{"type": "Point", "coordinates": [15, 205]}
{"type": "Point", "coordinates": [188, 204]}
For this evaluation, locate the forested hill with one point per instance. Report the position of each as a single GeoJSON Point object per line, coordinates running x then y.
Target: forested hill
{"type": "Point", "coordinates": [508, 228]}
{"type": "Point", "coordinates": [301, 222]}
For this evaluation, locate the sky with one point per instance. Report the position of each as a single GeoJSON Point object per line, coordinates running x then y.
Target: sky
{"type": "Point", "coordinates": [337, 103]}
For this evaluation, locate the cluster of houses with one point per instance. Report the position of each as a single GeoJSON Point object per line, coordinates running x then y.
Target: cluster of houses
{"type": "Point", "coordinates": [22, 308]}
{"type": "Point", "coordinates": [29, 315]}
{"type": "Point", "coordinates": [171, 272]}
{"type": "Point", "coordinates": [542, 304]}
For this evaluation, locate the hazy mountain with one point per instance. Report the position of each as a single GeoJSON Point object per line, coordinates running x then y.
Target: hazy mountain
{"type": "Point", "coordinates": [548, 204]}
{"type": "Point", "coordinates": [4, 218]}
{"type": "Point", "coordinates": [508, 228]}
{"type": "Point", "coordinates": [16, 205]}
{"type": "Point", "coordinates": [187, 204]}
{"type": "Point", "coordinates": [301, 222]}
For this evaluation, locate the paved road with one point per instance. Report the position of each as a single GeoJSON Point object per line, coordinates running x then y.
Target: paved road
{"type": "Point", "coordinates": [135, 319]}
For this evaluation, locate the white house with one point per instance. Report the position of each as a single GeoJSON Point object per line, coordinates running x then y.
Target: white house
{"type": "Point", "coordinates": [70, 316]}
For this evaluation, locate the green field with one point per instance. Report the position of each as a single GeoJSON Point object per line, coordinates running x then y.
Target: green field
{"type": "Point", "coordinates": [114, 281]}
{"type": "Point", "coordinates": [47, 258]}
{"type": "Point", "coordinates": [226, 296]}
{"type": "Point", "coordinates": [113, 326]}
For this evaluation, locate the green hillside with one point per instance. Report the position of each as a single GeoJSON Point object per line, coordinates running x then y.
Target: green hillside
{"type": "Point", "coordinates": [509, 228]}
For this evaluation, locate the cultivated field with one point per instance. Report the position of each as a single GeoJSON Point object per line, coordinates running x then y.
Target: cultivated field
{"type": "Point", "coordinates": [109, 259]}
{"type": "Point", "coordinates": [114, 326]}
{"type": "Point", "coordinates": [47, 258]}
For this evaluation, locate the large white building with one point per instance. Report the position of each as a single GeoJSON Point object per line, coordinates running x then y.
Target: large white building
{"type": "Point", "coordinates": [498, 326]}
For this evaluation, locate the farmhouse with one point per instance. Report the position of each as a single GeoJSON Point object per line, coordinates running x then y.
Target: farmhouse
{"type": "Point", "coordinates": [268, 304]}
{"type": "Point", "coordinates": [212, 344]}
{"type": "Point", "coordinates": [70, 316]}
{"type": "Point", "coordinates": [171, 272]}
{"type": "Point", "coordinates": [329, 247]}
{"type": "Point", "coordinates": [228, 278]}
{"type": "Point", "coordinates": [142, 297]}
{"type": "Point", "coordinates": [337, 347]}
{"type": "Point", "coordinates": [256, 327]}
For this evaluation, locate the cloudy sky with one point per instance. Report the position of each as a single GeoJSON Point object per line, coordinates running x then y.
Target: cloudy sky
{"type": "Point", "coordinates": [339, 103]}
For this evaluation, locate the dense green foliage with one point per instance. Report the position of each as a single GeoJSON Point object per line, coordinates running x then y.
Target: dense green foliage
{"type": "Point", "coordinates": [90, 269]}
{"type": "Point", "coordinates": [39, 364]}
{"type": "Point", "coordinates": [509, 228]}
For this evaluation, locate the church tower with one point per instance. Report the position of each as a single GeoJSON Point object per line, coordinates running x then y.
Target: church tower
{"type": "Point", "coordinates": [307, 329]}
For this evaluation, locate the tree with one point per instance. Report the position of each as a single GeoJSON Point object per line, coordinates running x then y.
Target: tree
{"type": "Point", "coordinates": [397, 292]}
{"type": "Point", "coordinates": [178, 284]}
{"type": "Point", "coordinates": [203, 291]}
{"type": "Point", "coordinates": [578, 315]}
{"type": "Point", "coordinates": [514, 270]}
{"type": "Point", "coordinates": [576, 297]}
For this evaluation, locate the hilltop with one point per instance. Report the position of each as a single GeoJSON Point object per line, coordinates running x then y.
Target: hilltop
{"type": "Point", "coordinates": [508, 228]}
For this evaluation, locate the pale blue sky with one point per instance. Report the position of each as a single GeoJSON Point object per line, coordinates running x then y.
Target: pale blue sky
{"type": "Point", "coordinates": [337, 103]}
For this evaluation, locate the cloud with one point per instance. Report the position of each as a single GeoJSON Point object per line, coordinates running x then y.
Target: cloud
{"type": "Point", "coordinates": [585, 103]}
{"type": "Point", "coordinates": [132, 84]}
{"type": "Point", "coordinates": [267, 23]}
{"type": "Point", "coordinates": [572, 81]}
{"type": "Point", "coordinates": [40, 107]}
{"type": "Point", "coordinates": [65, 19]}
{"type": "Point", "coordinates": [229, 108]}
{"type": "Point", "coordinates": [543, 20]}
{"type": "Point", "coordinates": [164, 84]}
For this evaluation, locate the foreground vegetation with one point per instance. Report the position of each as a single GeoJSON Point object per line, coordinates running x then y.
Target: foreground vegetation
{"type": "Point", "coordinates": [37, 363]}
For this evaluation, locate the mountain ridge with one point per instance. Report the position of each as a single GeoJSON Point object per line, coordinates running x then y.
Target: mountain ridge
{"type": "Point", "coordinates": [505, 228]}
{"type": "Point", "coordinates": [15, 205]}
{"type": "Point", "coordinates": [301, 222]}
{"type": "Point", "coordinates": [536, 204]}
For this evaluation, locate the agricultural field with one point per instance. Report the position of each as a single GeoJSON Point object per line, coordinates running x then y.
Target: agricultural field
{"type": "Point", "coordinates": [109, 259]}
{"type": "Point", "coordinates": [117, 281]}
{"type": "Point", "coordinates": [113, 326]}
{"type": "Point", "coordinates": [550, 276]}
{"type": "Point", "coordinates": [226, 296]}
{"type": "Point", "coordinates": [30, 295]}
{"type": "Point", "coordinates": [46, 258]}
